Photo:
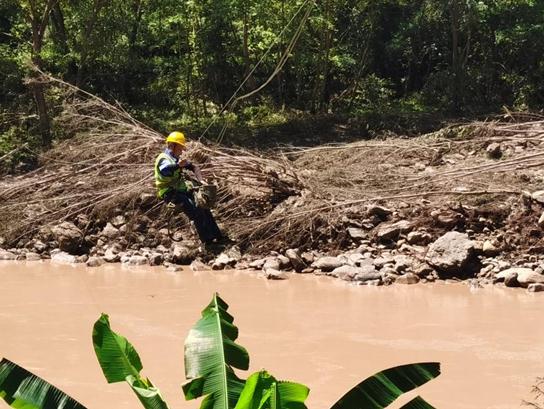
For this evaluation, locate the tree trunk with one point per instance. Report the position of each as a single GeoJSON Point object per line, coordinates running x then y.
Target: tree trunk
{"type": "Point", "coordinates": [59, 28]}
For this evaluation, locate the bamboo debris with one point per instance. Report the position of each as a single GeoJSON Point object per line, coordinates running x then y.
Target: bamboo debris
{"type": "Point", "coordinates": [298, 198]}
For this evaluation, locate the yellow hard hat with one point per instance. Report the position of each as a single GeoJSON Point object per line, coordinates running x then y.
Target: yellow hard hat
{"type": "Point", "coordinates": [176, 137]}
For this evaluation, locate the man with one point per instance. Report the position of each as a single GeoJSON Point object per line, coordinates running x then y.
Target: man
{"type": "Point", "coordinates": [172, 187]}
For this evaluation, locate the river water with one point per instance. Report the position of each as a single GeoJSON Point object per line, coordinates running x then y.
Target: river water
{"type": "Point", "coordinates": [321, 332]}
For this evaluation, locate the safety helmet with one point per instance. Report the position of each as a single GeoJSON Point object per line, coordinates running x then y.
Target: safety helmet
{"type": "Point", "coordinates": [176, 137]}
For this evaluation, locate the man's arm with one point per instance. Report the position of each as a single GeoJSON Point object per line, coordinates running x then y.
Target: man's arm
{"type": "Point", "coordinates": [185, 164]}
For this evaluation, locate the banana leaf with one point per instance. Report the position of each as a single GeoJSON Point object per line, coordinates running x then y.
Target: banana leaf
{"type": "Point", "coordinates": [417, 403]}
{"type": "Point", "coordinates": [120, 362]}
{"type": "Point", "coordinates": [263, 391]}
{"type": "Point", "coordinates": [381, 389]}
{"type": "Point", "coordinates": [23, 390]}
{"type": "Point", "coordinates": [210, 356]}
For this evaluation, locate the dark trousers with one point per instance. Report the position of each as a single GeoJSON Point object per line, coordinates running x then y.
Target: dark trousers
{"type": "Point", "coordinates": [205, 224]}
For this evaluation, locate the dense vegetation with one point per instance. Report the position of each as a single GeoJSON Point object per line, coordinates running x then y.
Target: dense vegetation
{"type": "Point", "coordinates": [177, 62]}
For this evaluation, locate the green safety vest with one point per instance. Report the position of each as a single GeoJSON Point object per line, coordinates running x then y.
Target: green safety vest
{"type": "Point", "coordinates": [165, 183]}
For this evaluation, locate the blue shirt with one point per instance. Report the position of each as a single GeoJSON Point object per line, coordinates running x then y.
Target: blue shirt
{"type": "Point", "coordinates": [168, 169]}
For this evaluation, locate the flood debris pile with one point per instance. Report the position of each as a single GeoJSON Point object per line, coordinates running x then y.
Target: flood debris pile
{"type": "Point", "coordinates": [464, 203]}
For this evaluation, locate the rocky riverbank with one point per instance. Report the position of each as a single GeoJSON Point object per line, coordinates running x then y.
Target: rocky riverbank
{"type": "Point", "coordinates": [410, 244]}
{"type": "Point", "coordinates": [462, 203]}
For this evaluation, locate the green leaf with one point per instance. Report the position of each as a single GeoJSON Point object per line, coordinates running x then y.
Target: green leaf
{"type": "Point", "coordinates": [117, 357]}
{"type": "Point", "coordinates": [210, 356]}
{"type": "Point", "coordinates": [417, 403]}
{"type": "Point", "coordinates": [23, 390]}
{"type": "Point", "coordinates": [148, 395]}
{"type": "Point", "coordinates": [381, 389]}
{"type": "Point", "coordinates": [263, 391]}
{"type": "Point", "coordinates": [120, 362]}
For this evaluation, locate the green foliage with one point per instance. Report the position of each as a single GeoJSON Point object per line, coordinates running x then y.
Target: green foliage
{"type": "Point", "coordinates": [24, 390]}
{"type": "Point", "coordinates": [120, 362]}
{"type": "Point", "coordinates": [383, 388]}
{"type": "Point", "coordinates": [210, 356]}
{"type": "Point", "coordinates": [263, 391]}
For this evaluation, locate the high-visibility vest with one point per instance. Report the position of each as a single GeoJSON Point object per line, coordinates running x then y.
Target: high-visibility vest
{"type": "Point", "coordinates": [164, 183]}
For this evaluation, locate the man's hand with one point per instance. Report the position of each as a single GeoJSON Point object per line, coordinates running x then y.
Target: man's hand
{"type": "Point", "coordinates": [182, 163]}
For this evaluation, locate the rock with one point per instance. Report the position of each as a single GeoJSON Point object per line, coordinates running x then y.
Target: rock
{"type": "Point", "coordinates": [197, 265]}
{"type": "Point", "coordinates": [328, 263]}
{"type": "Point", "coordinates": [367, 273]}
{"type": "Point", "coordinates": [525, 276]}
{"type": "Point", "coordinates": [408, 278]}
{"type": "Point", "coordinates": [40, 246]}
{"type": "Point", "coordinates": [285, 263]}
{"type": "Point", "coordinates": [392, 231]}
{"type": "Point", "coordinates": [182, 254]}
{"type": "Point", "coordinates": [110, 256]}
{"type": "Point", "coordinates": [156, 259]}
{"type": "Point", "coordinates": [418, 237]}
{"type": "Point", "coordinates": [357, 233]}
{"type": "Point", "coordinates": [379, 262]}
{"type": "Point", "coordinates": [402, 262]}
{"type": "Point", "coordinates": [538, 196]}
{"type": "Point", "coordinates": [541, 221]}
{"type": "Point", "coordinates": [345, 272]}
{"type": "Point", "coordinates": [307, 257]}
{"type": "Point", "coordinates": [511, 280]}
{"type": "Point", "coordinates": [68, 237]}
{"type": "Point", "coordinates": [271, 263]}
{"type": "Point", "coordinates": [493, 150]}
{"type": "Point", "coordinates": [488, 249]}
{"type": "Point", "coordinates": [223, 261]}
{"type": "Point", "coordinates": [118, 221]}
{"type": "Point", "coordinates": [7, 255]}
{"type": "Point", "coordinates": [380, 211]}
{"type": "Point", "coordinates": [110, 231]}
{"type": "Point", "coordinates": [307, 270]}
{"type": "Point", "coordinates": [422, 270]}
{"type": "Point", "coordinates": [30, 256]}
{"type": "Point", "coordinates": [257, 264]}
{"type": "Point", "coordinates": [295, 259]}
{"type": "Point", "coordinates": [82, 259]}
{"type": "Point", "coordinates": [137, 261]}
{"type": "Point", "coordinates": [451, 254]}
{"type": "Point", "coordinates": [63, 257]}
{"type": "Point", "coordinates": [535, 288]}
{"type": "Point", "coordinates": [95, 262]}
{"type": "Point", "coordinates": [272, 274]}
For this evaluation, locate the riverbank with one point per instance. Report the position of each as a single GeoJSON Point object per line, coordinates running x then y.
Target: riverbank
{"type": "Point", "coordinates": [462, 203]}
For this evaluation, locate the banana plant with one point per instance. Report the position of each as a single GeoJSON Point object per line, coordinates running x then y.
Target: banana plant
{"type": "Point", "coordinates": [211, 357]}
{"type": "Point", "coordinates": [22, 389]}
{"type": "Point", "coordinates": [120, 362]}
{"type": "Point", "coordinates": [381, 389]}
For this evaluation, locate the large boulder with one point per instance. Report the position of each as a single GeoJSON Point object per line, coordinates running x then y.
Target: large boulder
{"type": "Point", "coordinates": [451, 254]}
{"type": "Point", "coordinates": [68, 236]}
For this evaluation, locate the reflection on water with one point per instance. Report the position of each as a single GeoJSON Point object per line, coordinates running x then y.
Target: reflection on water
{"type": "Point", "coordinates": [321, 332]}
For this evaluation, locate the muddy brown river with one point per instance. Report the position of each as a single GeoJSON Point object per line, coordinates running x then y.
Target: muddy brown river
{"type": "Point", "coordinates": [325, 333]}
